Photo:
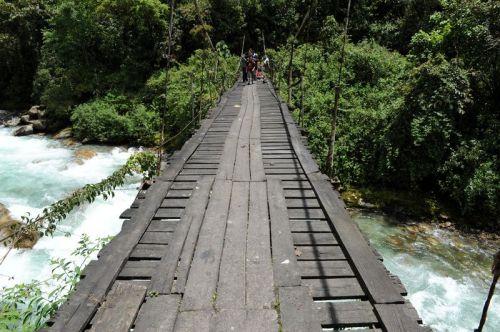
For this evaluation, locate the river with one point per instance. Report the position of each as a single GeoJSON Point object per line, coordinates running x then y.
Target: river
{"type": "Point", "coordinates": [447, 275]}
{"type": "Point", "coordinates": [36, 171]}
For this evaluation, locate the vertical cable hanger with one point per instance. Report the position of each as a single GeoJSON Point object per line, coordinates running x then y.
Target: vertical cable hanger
{"type": "Point", "coordinates": [169, 58]}
{"type": "Point", "coordinates": [331, 148]}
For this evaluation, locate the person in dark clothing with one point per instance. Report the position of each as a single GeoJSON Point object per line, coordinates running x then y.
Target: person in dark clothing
{"type": "Point", "coordinates": [243, 66]}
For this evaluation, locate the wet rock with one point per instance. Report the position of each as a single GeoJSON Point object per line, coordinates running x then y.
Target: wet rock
{"type": "Point", "coordinates": [24, 130]}
{"type": "Point", "coordinates": [366, 205]}
{"type": "Point", "coordinates": [35, 112]}
{"type": "Point", "coordinates": [445, 224]}
{"type": "Point", "coordinates": [25, 119]}
{"type": "Point", "coordinates": [63, 134]}
{"type": "Point", "coordinates": [85, 154]}
{"type": "Point", "coordinates": [38, 125]}
{"type": "Point", "coordinates": [14, 122]}
{"type": "Point", "coordinates": [9, 228]}
{"type": "Point", "coordinates": [444, 217]}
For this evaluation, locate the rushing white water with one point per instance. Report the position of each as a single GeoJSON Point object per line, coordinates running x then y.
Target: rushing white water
{"type": "Point", "coordinates": [447, 275]}
{"type": "Point", "coordinates": [36, 171]}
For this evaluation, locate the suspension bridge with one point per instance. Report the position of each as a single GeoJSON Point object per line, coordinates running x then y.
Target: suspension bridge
{"type": "Point", "coordinates": [240, 232]}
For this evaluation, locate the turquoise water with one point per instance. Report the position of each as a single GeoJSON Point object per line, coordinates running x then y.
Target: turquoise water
{"type": "Point", "coordinates": [36, 171]}
{"type": "Point", "coordinates": [447, 275]}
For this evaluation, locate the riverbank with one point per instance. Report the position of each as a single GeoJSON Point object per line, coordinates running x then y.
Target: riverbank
{"type": "Point", "coordinates": [418, 208]}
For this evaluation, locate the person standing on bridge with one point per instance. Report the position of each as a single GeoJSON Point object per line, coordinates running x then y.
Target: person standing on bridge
{"type": "Point", "coordinates": [250, 67]}
{"type": "Point", "coordinates": [243, 66]}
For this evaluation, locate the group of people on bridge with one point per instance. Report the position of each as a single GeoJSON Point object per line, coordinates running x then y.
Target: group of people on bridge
{"type": "Point", "coordinates": [252, 66]}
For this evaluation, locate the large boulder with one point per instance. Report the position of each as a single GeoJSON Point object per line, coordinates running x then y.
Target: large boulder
{"type": "Point", "coordinates": [38, 125]}
{"type": "Point", "coordinates": [36, 112]}
{"type": "Point", "coordinates": [63, 134]}
{"type": "Point", "coordinates": [25, 119]}
{"type": "Point", "coordinates": [24, 130]}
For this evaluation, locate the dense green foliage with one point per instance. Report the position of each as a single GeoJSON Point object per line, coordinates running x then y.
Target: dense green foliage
{"type": "Point", "coordinates": [427, 121]}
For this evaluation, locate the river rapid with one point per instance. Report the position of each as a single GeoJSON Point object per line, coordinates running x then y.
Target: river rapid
{"type": "Point", "coordinates": [447, 275]}
{"type": "Point", "coordinates": [36, 171]}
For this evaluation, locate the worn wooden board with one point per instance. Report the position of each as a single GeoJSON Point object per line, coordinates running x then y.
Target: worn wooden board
{"type": "Point", "coordinates": [296, 310]}
{"type": "Point", "coordinates": [314, 239]}
{"type": "Point", "coordinates": [204, 272]}
{"type": "Point", "coordinates": [121, 307]}
{"type": "Point", "coordinates": [334, 288]}
{"type": "Point", "coordinates": [259, 268]}
{"type": "Point", "coordinates": [394, 318]}
{"type": "Point", "coordinates": [343, 314]}
{"type": "Point", "coordinates": [231, 286]}
{"type": "Point", "coordinates": [158, 314]}
{"type": "Point", "coordinates": [319, 253]}
{"type": "Point", "coordinates": [325, 269]}
{"type": "Point", "coordinates": [286, 272]}
{"type": "Point", "coordinates": [163, 277]}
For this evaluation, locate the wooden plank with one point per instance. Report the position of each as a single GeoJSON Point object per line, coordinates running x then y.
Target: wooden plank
{"type": "Point", "coordinates": [256, 165]}
{"type": "Point", "coordinates": [121, 307]}
{"type": "Point", "coordinates": [345, 314]}
{"type": "Point", "coordinates": [142, 269]}
{"type": "Point", "coordinates": [163, 225]}
{"type": "Point", "coordinates": [259, 268]}
{"type": "Point", "coordinates": [296, 310]}
{"type": "Point", "coordinates": [302, 203]}
{"type": "Point", "coordinates": [305, 225]}
{"type": "Point", "coordinates": [199, 321]}
{"type": "Point", "coordinates": [227, 163]}
{"type": "Point", "coordinates": [203, 275]}
{"type": "Point", "coordinates": [148, 251]}
{"type": "Point", "coordinates": [163, 277]}
{"type": "Point", "coordinates": [394, 318]}
{"type": "Point", "coordinates": [299, 193]}
{"type": "Point", "coordinates": [156, 238]}
{"type": "Point", "coordinates": [380, 287]}
{"type": "Point", "coordinates": [231, 285]}
{"type": "Point", "coordinates": [166, 213]}
{"type": "Point", "coordinates": [334, 288]}
{"type": "Point", "coordinates": [319, 253]}
{"type": "Point", "coordinates": [286, 272]}
{"type": "Point", "coordinates": [158, 314]}
{"type": "Point", "coordinates": [306, 213]}
{"type": "Point", "coordinates": [325, 269]}
{"type": "Point", "coordinates": [313, 239]}
{"type": "Point", "coordinates": [75, 314]}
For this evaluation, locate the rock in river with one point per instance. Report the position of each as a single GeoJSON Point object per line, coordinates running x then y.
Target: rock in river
{"type": "Point", "coordinates": [24, 130]}
{"type": "Point", "coordinates": [85, 154]}
{"type": "Point", "coordinates": [65, 133]}
{"type": "Point", "coordinates": [8, 227]}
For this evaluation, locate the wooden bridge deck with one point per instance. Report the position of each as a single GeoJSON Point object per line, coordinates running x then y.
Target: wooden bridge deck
{"type": "Point", "coordinates": [240, 232]}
